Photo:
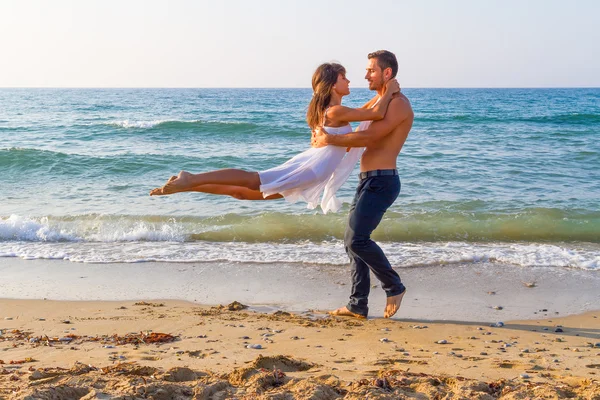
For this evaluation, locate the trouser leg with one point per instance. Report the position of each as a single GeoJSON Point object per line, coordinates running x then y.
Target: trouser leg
{"type": "Point", "coordinates": [373, 197]}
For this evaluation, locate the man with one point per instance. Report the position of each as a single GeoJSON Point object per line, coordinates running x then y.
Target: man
{"type": "Point", "coordinates": [378, 188]}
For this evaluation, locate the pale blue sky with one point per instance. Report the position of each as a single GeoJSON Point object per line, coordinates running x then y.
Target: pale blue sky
{"type": "Point", "coordinates": [279, 43]}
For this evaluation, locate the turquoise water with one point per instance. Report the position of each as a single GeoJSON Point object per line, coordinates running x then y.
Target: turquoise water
{"type": "Point", "coordinates": [488, 175]}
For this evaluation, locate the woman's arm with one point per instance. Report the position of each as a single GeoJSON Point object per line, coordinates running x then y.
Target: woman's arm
{"type": "Point", "coordinates": [370, 103]}
{"type": "Point", "coordinates": [340, 114]}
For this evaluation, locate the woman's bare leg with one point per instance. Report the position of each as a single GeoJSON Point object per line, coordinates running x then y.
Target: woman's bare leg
{"type": "Point", "coordinates": [185, 181]}
{"type": "Point", "coordinates": [238, 192]}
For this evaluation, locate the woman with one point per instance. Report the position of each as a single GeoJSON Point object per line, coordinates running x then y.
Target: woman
{"type": "Point", "coordinates": [310, 173]}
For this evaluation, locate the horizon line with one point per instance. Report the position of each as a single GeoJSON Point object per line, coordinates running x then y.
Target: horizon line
{"type": "Point", "coordinates": [292, 87]}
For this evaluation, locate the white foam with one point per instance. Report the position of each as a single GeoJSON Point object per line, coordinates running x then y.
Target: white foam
{"type": "Point", "coordinates": [401, 255]}
{"type": "Point", "coordinates": [149, 123]}
{"type": "Point", "coordinates": [99, 229]}
{"type": "Point", "coordinates": [137, 124]}
{"type": "Point", "coordinates": [17, 227]}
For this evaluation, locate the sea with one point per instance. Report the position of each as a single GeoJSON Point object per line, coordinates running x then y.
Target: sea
{"type": "Point", "coordinates": [505, 177]}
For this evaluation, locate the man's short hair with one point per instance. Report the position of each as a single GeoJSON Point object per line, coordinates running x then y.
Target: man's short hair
{"type": "Point", "coordinates": [385, 59]}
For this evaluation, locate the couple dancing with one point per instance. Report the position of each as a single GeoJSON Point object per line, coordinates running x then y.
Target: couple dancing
{"type": "Point", "coordinates": [324, 167]}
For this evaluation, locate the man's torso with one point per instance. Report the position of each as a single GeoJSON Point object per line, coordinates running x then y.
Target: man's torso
{"type": "Point", "coordinates": [384, 153]}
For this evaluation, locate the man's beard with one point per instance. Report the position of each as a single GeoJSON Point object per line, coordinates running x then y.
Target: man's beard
{"type": "Point", "coordinates": [375, 85]}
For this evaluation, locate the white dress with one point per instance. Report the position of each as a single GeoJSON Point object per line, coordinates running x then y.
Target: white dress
{"type": "Point", "coordinates": [314, 172]}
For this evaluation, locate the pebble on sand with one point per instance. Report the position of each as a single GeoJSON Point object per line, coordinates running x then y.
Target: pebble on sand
{"type": "Point", "coordinates": [254, 346]}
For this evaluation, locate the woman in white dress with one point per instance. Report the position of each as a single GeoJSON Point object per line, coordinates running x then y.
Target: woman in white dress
{"type": "Point", "coordinates": [311, 173]}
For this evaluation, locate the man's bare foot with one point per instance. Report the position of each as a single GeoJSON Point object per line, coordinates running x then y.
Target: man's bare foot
{"type": "Point", "coordinates": [174, 185]}
{"type": "Point", "coordinates": [393, 305]}
{"type": "Point", "coordinates": [344, 312]}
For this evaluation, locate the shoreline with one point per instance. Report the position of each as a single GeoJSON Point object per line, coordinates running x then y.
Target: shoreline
{"type": "Point", "coordinates": [99, 348]}
{"type": "Point", "coordinates": [462, 292]}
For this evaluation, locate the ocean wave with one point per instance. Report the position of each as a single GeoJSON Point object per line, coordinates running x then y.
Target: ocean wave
{"type": "Point", "coordinates": [458, 224]}
{"type": "Point", "coordinates": [25, 229]}
{"type": "Point", "coordinates": [90, 228]}
{"type": "Point", "coordinates": [178, 124]}
{"type": "Point", "coordinates": [57, 164]}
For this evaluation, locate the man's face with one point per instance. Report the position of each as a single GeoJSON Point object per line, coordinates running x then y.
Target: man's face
{"type": "Point", "coordinates": [375, 75]}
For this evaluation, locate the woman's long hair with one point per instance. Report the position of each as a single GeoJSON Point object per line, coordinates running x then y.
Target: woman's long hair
{"type": "Point", "coordinates": [323, 80]}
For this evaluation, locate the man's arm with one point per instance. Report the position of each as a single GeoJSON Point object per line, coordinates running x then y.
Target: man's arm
{"type": "Point", "coordinates": [398, 110]}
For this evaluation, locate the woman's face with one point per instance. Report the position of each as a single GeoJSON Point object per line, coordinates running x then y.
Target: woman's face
{"type": "Point", "coordinates": [342, 85]}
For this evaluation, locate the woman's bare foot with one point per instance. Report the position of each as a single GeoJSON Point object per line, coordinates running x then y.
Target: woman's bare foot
{"type": "Point", "coordinates": [344, 312]}
{"type": "Point", "coordinates": [175, 184]}
{"type": "Point", "coordinates": [393, 305]}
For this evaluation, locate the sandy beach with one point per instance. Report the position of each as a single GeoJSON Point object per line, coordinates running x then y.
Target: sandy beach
{"type": "Point", "coordinates": [171, 349]}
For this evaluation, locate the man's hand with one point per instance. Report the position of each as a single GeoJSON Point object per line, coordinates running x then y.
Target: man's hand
{"type": "Point", "coordinates": [392, 86]}
{"type": "Point", "coordinates": [319, 138]}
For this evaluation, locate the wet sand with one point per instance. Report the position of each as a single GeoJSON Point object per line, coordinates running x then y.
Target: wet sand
{"type": "Point", "coordinates": [463, 292]}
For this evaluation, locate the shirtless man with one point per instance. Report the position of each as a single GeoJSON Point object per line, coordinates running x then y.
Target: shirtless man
{"type": "Point", "coordinates": [378, 188]}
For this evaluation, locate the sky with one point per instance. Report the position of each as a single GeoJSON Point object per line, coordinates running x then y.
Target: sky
{"type": "Point", "coordinates": [279, 43]}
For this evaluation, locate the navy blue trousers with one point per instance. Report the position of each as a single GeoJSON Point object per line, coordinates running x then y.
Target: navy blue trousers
{"type": "Point", "coordinates": [374, 196]}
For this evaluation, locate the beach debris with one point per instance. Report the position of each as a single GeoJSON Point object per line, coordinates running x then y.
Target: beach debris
{"type": "Point", "coordinates": [23, 361]}
{"type": "Point", "coordinates": [65, 321]}
{"type": "Point", "coordinates": [8, 318]}
{"type": "Point", "coordinates": [525, 376]}
{"type": "Point", "coordinates": [384, 340]}
{"type": "Point", "coordinates": [235, 306]}
{"type": "Point", "coordinates": [245, 337]}
{"type": "Point", "coordinates": [491, 292]}
{"type": "Point", "coordinates": [498, 307]}
{"type": "Point", "coordinates": [443, 341]}
{"type": "Point", "coordinates": [483, 353]}
{"type": "Point", "coordinates": [254, 346]}
{"type": "Point", "coordinates": [498, 324]}
{"type": "Point", "coordinates": [530, 284]}
{"type": "Point", "coordinates": [597, 344]}
{"type": "Point", "coordinates": [145, 303]}
{"type": "Point", "coordinates": [41, 319]}
{"type": "Point", "coordinates": [558, 330]}
{"type": "Point", "coordinates": [382, 383]}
